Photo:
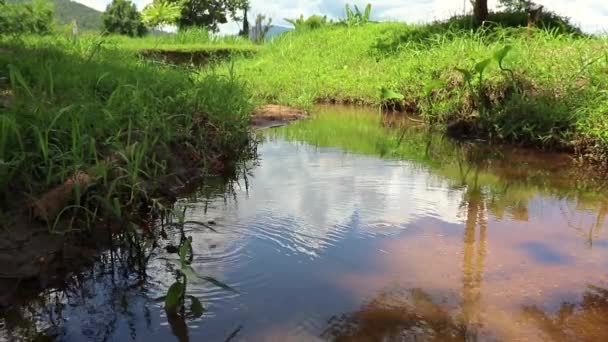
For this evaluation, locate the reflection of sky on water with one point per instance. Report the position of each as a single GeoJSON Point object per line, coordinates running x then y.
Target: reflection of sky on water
{"type": "Point", "coordinates": [325, 189]}
{"type": "Point", "coordinates": [320, 233]}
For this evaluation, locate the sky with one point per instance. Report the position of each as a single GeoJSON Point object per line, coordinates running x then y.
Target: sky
{"type": "Point", "coordinates": [591, 15]}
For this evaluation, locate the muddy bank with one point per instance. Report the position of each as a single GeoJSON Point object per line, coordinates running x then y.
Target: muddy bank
{"type": "Point", "coordinates": [275, 115]}
{"type": "Point", "coordinates": [196, 58]}
{"type": "Point", "coordinates": [36, 252]}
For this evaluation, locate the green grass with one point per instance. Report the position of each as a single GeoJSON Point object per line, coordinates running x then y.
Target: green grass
{"type": "Point", "coordinates": [555, 97]}
{"type": "Point", "coordinates": [191, 40]}
{"type": "Point", "coordinates": [71, 105]}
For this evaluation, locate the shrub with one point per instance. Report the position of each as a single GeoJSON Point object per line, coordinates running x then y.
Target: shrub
{"type": "Point", "coordinates": [121, 17]}
{"type": "Point", "coordinates": [20, 18]}
{"type": "Point", "coordinates": [312, 23]}
{"type": "Point", "coordinates": [548, 21]}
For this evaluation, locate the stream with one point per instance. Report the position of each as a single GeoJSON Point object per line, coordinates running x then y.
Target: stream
{"type": "Point", "coordinates": [355, 227]}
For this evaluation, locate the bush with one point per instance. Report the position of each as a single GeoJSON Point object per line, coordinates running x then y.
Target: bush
{"type": "Point", "coordinates": [122, 17]}
{"type": "Point", "coordinates": [548, 21]}
{"type": "Point", "coordinates": [312, 23]}
{"type": "Point", "coordinates": [35, 17]}
{"type": "Point", "coordinates": [393, 40]}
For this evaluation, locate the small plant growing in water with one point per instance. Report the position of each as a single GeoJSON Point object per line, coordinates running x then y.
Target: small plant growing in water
{"type": "Point", "coordinates": [390, 99]}
{"type": "Point", "coordinates": [175, 299]}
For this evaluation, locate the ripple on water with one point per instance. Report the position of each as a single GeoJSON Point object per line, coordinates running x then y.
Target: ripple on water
{"type": "Point", "coordinates": [292, 236]}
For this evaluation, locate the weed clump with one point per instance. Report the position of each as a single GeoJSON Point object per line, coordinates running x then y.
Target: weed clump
{"type": "Point", "coordinates": [79, 107]}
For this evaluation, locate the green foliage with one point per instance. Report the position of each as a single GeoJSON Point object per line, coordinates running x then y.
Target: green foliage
{"type": "Point", "coordinates": [209, 13]}
{"type": "Point", "coordinates": [497, 27]}
{"type": "Point", "coordinates": [160, 13]}
{"type": "Point", "coordinates": [479, 69]}
{"type": "Point", "coordinates": [537, 87]}
{"type": "Point", "coordinates": [176, 294]}
{"type": "Point", "coordinates": [19, 18]}
{"type": "Point", "coordinates": [513, 5]}
{"type": "Point", "coordinates": [174, 298]}
{"type": "Point", "coordinates": [122, 17]}
{"type": "Point", "coordinates": [298, 23]}
{"type": "Point", "coordinates": [66, 11]}
{"type": "Point", "coordinates": [135, 112]}
{"type": "Point", "coordinates": [311, 23]}
{"type": "Point", "coordinates": [356, 17]}
{"type": "Point", "coordinates": [548, 21]}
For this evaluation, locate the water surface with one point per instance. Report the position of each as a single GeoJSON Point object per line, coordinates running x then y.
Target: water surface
{"type": "Point", "coordinates": [352, 228]}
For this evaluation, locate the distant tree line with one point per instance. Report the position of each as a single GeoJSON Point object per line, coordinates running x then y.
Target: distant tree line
{"type": "Point", "coordinates": [122, 17]}
{"type": "Point", "coordinates": [481, 11]}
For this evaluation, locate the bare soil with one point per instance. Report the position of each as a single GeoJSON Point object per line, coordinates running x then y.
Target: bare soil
{"type": "Point", "coordinates": [275, 115]}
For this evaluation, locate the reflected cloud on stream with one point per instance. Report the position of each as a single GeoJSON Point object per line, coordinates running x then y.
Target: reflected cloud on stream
{"type": "Point", "coordinates": [357, 228]}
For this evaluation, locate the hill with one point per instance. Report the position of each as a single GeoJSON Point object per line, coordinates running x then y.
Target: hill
{"type": "Point", "coordinates": [273, 31]}
{"type": "Point", "coordinates": [65, 11]}
{"type": "Point", "coordinates": [276, 30]}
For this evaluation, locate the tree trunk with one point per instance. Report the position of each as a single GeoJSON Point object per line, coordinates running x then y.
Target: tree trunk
{"type": "Point", "coordinates": [246, 30]}
{"type": "Point", "coordinates": [480, 11]}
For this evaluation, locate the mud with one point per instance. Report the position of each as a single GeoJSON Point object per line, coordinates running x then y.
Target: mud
{"type": "Point", "coordinates": [196, 58]}
{"type": "Point", "coordinates": [275, 115]}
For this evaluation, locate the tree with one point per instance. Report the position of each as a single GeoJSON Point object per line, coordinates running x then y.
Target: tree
{"type": "Point", "coordinates": [246, 29]}
{"type": "Point", "coordinates": [160, 13]}
{"type": "Point", "coordinates": [260, 29]}
{"type": "Point", "coordinates": [209, 13]}
{"type": "Point", "coordinates": [31, 17]}
{"type": "Point", "coordinates": [122, 17]}
{"type": "Point", "coordinates": [514, 5]}
{"type": "Point", "coordinates": [480, 11]}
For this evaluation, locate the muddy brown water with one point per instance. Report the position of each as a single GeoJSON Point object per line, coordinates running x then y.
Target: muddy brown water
{"type": "Point", "coordinates": [347, 230]}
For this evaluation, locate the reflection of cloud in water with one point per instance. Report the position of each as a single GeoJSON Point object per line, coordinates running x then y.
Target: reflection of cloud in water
{"type": "Point", "coordinates": [479, 253]}
{"type": "Point", "coordinates": [303, 197]}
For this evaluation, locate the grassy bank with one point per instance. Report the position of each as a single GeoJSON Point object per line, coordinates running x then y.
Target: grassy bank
{"type": "Point", "coordinates": [185, 40]}
{"type": "Point", "coordinates": [551, 91]}
{"type": "Point", "coordinates": [80, 114]}
{"type": "Point", "coordinates": [189, 47]}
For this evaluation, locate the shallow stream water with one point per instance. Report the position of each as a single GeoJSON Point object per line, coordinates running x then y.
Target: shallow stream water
{"type": "Point", "coordinates": [352, 228]}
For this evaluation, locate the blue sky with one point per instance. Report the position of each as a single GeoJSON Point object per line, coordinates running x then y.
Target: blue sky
{"type": "Point", "coordinates": [591, 15]}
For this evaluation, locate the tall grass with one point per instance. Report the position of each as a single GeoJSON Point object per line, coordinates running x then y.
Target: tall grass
{"type": "Point", "coordinates": [182, 40]}
{"type": "Point", "coordinates": [80, 105]}
{"type": "Point", "coordinates": [555, 94]}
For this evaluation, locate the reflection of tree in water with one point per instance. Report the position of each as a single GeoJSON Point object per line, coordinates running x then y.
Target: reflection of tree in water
{"type": "Point", "coordinates": [586, 321]}
{"type": "Point", "coordinates": [589, 232]}
{"type": "Point", "coordinates": [474, 252]}
{"type": "Point", "coordinates": [413, 315]}
{"type": "Point", "coordinates": [110, 300]}
{"type": "Point", "coordinates": [396, 316]}
{"type": "Point", "coordinates": [99, 300]}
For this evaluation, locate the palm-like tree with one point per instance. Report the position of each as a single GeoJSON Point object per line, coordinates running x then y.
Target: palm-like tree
{"type": "Point", "coordinates": [160, 13]}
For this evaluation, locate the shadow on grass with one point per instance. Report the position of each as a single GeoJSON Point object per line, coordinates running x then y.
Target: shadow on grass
{"type": "Point", "coordinates": [423, 36]}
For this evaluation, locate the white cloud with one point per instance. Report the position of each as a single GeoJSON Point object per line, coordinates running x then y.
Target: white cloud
{"type": "Point", "coordinates": [591, 15]}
